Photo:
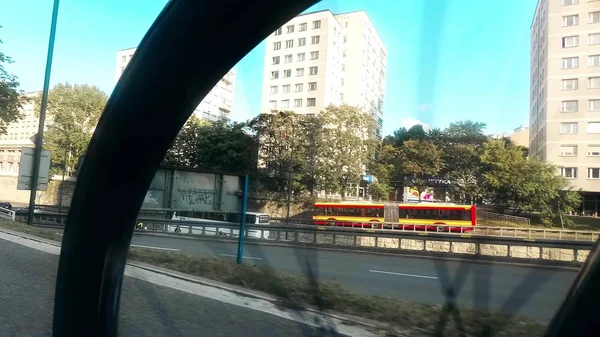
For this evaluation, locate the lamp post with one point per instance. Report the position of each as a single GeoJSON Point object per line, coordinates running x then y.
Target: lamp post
{"type": "Point", "coordinates": [289, 185]}
{"type": "Point", "coordinates": [40, 135]}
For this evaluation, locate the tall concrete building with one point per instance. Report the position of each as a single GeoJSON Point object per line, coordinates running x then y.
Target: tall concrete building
{"type": "Point", "coordinates": [320, 58]}
{"type": "Point", "coordinates": [19, 134]}
{"type": "Point", "coordinates": [217, 105]}
{"type": "Point", "coordinates": [565, 92]}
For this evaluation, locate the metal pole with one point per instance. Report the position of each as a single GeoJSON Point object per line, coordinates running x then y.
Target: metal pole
{"type": "Point", "coordinates": [240, 252]}
{"type": "Point", "coordinates": [40, 135]}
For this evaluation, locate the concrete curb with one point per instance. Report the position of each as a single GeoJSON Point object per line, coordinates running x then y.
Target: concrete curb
{"type": "Point", "coordinates": [247, 293]}
{"type": "Point", "coordinates": [208, 283]}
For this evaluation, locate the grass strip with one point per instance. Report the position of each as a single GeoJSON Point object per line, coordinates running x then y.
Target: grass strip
{"type": "Point", "coordinates": [412, 319]}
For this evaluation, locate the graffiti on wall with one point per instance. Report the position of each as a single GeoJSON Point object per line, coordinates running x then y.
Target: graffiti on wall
{"type": "Point", "coordinates": [192, 196]}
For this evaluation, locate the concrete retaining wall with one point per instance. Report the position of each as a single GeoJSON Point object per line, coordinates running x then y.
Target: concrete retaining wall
{"type": "Point", "coordinates": [431, 245]}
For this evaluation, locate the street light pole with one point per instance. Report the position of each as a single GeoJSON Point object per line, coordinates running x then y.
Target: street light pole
{"type": "Point", "coordinates": [37, 154]}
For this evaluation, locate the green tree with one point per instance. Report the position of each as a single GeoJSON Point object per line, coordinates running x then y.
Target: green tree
{"type": "Point", "coordinates": [379, 191]}
{"type": "Point", "coordinates": [10, 96]}
{"type": "Point", "coordinates": [277, 134]}
{"type": "Point", "coordinates": [421, 160]}
{"type": "Point", "coordinates": [215, 146]}
{"type": "Point", "coordinates": [73, 113]}
{"type": "Point", "coordinates": [348, 147]}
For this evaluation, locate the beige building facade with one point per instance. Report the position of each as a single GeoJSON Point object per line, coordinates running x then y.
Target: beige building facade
{"type": "Point", "coordinates": [19, 134]}
{"type": "Point", "coordinates": [320, 58]}
{"type": "Point", "coordinates": [565, 92]}
{"type": "Point", "coordinates": [217, 105]}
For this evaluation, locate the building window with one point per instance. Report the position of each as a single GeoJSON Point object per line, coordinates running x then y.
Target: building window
{"type": "Point", "coordinates": [316, 24]}
{"type": "Point", "coordinates": [570, 20]}
{"type": "Point", "coordinates": [594, 38]}
{"type": "Point", "coordinates": [278, 31]}
{"type": "Point", "coordinates": [276, 60]}
{"type": "Point", "coordinates": [289, 43]}
{"type": "Point", "coordinates": [290, 29]}
{"type": "Point", "coordinates": [286, 88]}
{"type": "Point", "coordinates": [594, 173]}
{"type": "Point", "coordinates": [593, 60]}
{"type": "Point", "coordinates": [288, 58]}
{"type": "Point", "coordinates": [285, 103]}
{"type": "Point", "coordinates": [568, 150]}
{"type": "Point", "coordinates": [594, 17]}
{"type": "Point", "coordinates": [569, 84]}
{"type": "Point", "coordinates": [570, 2]}
{"type": "Point", "coordinates": [299, 87]}
{"type": "Point", "coordinates": [301, 41]}
{"type": "Point", "coordinates": [593, 127]}
{"type": "Point", "coordinates": [311, 102]}
{"type": "Point", "coordinates": [570, 41]}
{"type": "Point", "coordinates": [287, 73]}
{"type": "Point", "coordinates": [274, 89]}
{"type": "Point", "coordinates": [568, 128]}
{"type": "Point", "coordinates": [301, 57]}
{"type": "Point", "coordinates": [594, 104]}
{"type": "Point", "coordinates": [315, 39]}
{"type": "Point", "coordinates": [298, 103]}
{"type": "Point", "coordinates": [312, 86]}
{"type": "Point", "coordinates": [569, 172]}
{"type": "Point", "coordinates": [314, 55]}
{"type": "Point", "coordinates": [594, 82]}
{"type": "Point", "coordinates": [299, 71]}
{"type": "Point", "coordinates": [273, 104]}
{"type": "Point", "coordinates": [276, 45]}
{"type": "Point", "coordinates": [593, 150]}
{"type": "Point", "coordinates": [570, 62]}
{"type": "Point", "coordinates": [274, 75]}
{"type": "Point", "coordinates": [314, 70]}
{"type": "Point", "coordinates": [569, 106]}
{"type": "Point", "coordinates": [303, 27]}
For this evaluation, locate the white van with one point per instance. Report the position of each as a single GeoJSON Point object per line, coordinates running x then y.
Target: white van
{"type": "Point", "coordinates": [233, 219]}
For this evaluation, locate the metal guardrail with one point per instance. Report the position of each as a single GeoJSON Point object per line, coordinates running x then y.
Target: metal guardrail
{"type": "Point", "coordinates": [309, 234]}
{"type": "Point", "coordinates": [490, 218]}
{"type": "Point", "coordinates": [507, 232]}
{"type": "Point", "coordinates": [58, 220]}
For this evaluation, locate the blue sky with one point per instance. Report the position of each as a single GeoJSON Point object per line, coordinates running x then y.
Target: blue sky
{"type": "Point", "coordinates": [448, 60]}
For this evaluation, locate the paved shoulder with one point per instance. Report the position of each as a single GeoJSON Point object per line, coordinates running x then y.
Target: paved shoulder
{"type": "Point", "coordinates": [27, 281]}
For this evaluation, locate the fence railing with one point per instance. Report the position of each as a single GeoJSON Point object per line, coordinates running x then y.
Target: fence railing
{"type": "Point", "coordinates": [515, 232]}
{"type": "Point", "coordinates": [59, 220]}
{"type": "Point", "coordinates": [489, 218]}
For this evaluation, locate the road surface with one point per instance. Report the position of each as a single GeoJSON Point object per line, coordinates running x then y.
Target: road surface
{"type": "Point", "coordinates": [27, 279]}
{"type": "Point", "coordinates": [531, 291]}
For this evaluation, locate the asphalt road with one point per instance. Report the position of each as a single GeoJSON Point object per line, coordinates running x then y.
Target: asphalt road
{"type": "Point", "coordinates": [513, 289]}
{"type": "Point", "coordinates": [27, 279]}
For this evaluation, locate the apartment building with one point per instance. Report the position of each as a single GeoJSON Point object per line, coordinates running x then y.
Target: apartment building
{"type": "Point", "coordinates": [217, 105]}
{"type": "Point", "coordinates": [519, 136]}
{"type": "Point", "coordinates": [320, 58]}
{"type": "Point", "coordinates": [565, 92]}
{"type": "Point", "coordinates": [19, 134]}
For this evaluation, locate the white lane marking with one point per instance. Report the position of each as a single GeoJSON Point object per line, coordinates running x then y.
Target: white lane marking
{"type": "Point", "coordinates": [245, 257]}
{"type": "Point", "coordinates": [159, 248]}
{"type": "Point", "coordinates": [401, 274]}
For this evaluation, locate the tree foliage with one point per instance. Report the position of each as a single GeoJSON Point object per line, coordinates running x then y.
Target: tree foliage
{"type": "Point", "coordinates": [330, 151]}
{"type": "Point", "coordinates": [213, 146]}
{"type": "Point", "coordinates": [73, 112]}
{"type": "Point", "coordinates": [10, 96]}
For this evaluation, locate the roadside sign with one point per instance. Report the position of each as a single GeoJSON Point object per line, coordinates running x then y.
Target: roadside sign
{"type": "Point", "coordinates": [26, 168]}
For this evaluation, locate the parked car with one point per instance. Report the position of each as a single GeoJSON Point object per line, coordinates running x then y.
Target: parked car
{"type": "Point", "coordinates": [6, 205]}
